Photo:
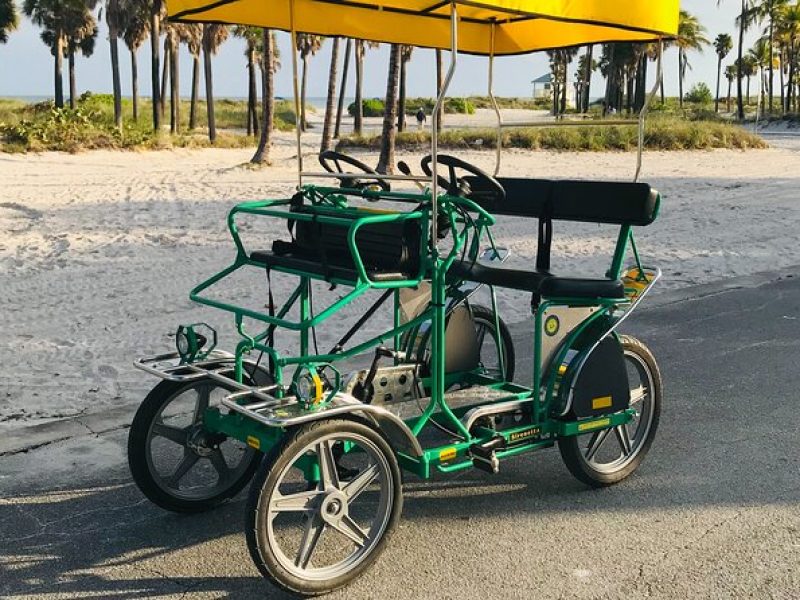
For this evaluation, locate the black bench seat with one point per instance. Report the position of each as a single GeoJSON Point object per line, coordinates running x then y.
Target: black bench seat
{"type": "Point", "coordinates": [543, 284]}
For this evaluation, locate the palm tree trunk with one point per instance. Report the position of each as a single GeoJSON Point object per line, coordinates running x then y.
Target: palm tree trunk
{"type": "Point", "coordinates": [348, 48]}
{"type": "Point", "coordinates": [748, 90]}
{"type": "Point", "coordinates": [587, 80]}
{"type": "Point", "coordinates": [680, 77]}
{"type": "Point", "coordinates": [439, 84]}
{"type": "Point", "coordinates": [783, 82]}
{"type": "Point", "coordinates": [327, 127]}
{"type": "Point", "coordinates": [58, 67]}
{"type": "Point", "coordinates": [212, 124]}
{"type": "Point", "coordinates": [195, 91]}
{"type": "Point", "coordinates": [164, 75]}
{"type": "Point", "coordinates": [303, 88]}
{"type": "Point", "coordinates": [661, 89]}
{"type": "Point", "coordinates": [267, 101]}
{"type": "Point", "coordinates": [386, 160]}
{"type": "Point", "coordinates": [135, 85]}
{"type": "Point", "coordinates": [175, 96]}
{"type": "Point", "coordinates": [401, 105]}
{"type": "Point", "coordinates": [739, 103]}
{"type": "Point", "coordinates": [252, 95]}
{"type": "Point", "coordinates": [154, 62]}
{"type": "Point", "coordinates": [730, 84]}
{"type": "Point", "coordinates": [113, 38]}
{"type": "Point", "coordinates": [358, 116]}
{"type": "Point", "coordinates": [771, 49]}
{"type": "Point", "coordinates": [719, 76]}
{"type": "Point", "coordinates": [71, 68]}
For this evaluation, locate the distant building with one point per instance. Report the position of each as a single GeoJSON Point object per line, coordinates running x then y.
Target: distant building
{"type": "Point", "coordinates": [543, 88]}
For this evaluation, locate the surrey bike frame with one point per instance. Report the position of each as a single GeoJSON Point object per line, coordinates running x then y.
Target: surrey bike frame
{"type": "Point", "coordinates": [259, 415]}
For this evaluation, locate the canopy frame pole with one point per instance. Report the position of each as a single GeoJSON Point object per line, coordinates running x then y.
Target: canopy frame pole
{"type": "Point", "coordinates": [298, 125]}
{"type": "Point", "coordinates": [646, 108]}
{"type": "Point", "coordinates": [435, 128]}
{"type": "Point", "coordinates": [493, 100]}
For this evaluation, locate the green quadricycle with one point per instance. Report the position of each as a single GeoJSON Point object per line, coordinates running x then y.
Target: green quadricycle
{"type": "Point", "coordinates": [324, 435]}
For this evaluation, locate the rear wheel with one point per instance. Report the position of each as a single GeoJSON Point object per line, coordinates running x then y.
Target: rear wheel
{"type": "Point", "coordinates": [175, 460]}
{"type": "Point", "coordinates": [608, 456]}
{"type": "Point", "coordinates": [323, 505]}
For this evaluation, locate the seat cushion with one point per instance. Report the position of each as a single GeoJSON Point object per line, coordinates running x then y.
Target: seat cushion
{"type": "Point", "coordinates": [537, 282]}
{"type": "Point", "coordinates": [310, 264]}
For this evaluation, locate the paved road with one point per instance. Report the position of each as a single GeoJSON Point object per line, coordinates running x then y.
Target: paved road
{"type": "Point", "coordinates": [712, 513]}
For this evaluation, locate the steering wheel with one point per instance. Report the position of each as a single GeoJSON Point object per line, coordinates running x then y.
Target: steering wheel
{"type": "Point", "coordinates": [332, 162]}
{"type": "Point", "coordinates": [456, 186]}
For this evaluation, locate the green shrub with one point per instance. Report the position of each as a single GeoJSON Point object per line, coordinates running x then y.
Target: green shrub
{"type": "Point", "coordinates": [699, 94]}
{"type": "Point", "coordinates": [372, 107]}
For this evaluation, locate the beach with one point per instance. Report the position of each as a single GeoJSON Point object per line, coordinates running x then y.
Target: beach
{"type": "Point", "coordinates": [99, 250]}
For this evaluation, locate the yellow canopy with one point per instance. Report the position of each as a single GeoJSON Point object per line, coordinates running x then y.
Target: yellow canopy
{"type": "Point", "coordinates": [519, 25]}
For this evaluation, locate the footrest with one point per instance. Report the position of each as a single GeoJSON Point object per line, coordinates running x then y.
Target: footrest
{"type": "Point", "coordinates": [484, 455]}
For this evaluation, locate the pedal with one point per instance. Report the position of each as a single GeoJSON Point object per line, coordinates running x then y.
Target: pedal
{"type": "Point", "coordinates": [484, 455]}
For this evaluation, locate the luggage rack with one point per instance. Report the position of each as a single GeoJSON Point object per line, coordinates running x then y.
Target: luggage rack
{"type": "Point", "coordinates": [171, 367]}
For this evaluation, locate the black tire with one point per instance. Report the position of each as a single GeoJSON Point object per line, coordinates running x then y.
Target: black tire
{"type": "Point", "coordinates": [270, 476]}
{"type": "Point", "coordinates": [142, 463]}
{"type": "Point", "coordinates": [575, 449]}
{"type": "Point", "coordinates": [485, 317]}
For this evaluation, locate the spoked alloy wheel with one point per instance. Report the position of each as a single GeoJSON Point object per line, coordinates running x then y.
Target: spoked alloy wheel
{"type": "Point", "coordinates": [314, 537]}
{"type": "Point", "coordinates": [175, 461]}
{"type": "Point", "coordinates": [607, 456]}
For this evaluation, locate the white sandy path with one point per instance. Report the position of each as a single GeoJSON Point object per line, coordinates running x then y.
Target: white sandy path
{"type": "Point", "coordinates": [98, 251]}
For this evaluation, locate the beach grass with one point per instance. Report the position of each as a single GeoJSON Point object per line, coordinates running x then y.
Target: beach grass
{"type": "Point", "coordinates": [41, 127]}
{"type": "Point", "coordinates": [661, 133]}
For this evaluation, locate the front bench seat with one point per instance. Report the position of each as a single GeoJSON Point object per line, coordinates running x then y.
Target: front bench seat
{"type": "Point", "coordinates": [536, 282]}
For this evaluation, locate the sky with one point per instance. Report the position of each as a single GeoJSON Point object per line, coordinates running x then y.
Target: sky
{"type": "Point", "coordinates": [26, 65]}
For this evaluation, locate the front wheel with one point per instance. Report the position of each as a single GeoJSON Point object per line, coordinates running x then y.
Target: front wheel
{"type": "Point", "coordinates": [608, 456]}
{"type": "Point", "coordinates": [175, 460]}
{"type": "Point", "coordinates": [323, 505]}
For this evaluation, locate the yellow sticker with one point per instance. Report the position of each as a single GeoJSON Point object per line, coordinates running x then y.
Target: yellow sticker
{"type": "Point", "coordinates": [562, 369]}
{"type": "Point", "coordinates": [253, 442]}
{"type": "Point", "coordinates": [318, 390]}
{"type": "Point", "coordinates": [602, 402]}
{"type": "Point", "coordinates": [552, 325]}
{"type": "Point", "coordinates": [447, 454]}
{"type": "Point", "coordinates": [594, 424]}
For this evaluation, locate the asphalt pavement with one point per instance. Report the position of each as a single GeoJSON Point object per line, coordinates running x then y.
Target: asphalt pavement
{"type": "Point", "coordinates": [713, 512]}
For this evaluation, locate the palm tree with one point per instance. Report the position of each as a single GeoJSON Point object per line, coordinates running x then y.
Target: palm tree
{"type": "Point", "coordinates": [51, 15]}
{"type": "Point", "coordinates": [723, 44]}
{"type": "Point", "coordinates": [81, 32]}
{"type": "Point", "coordinates": [586, 66]}
{"type": "Point", "coordinates": [758, 11]}
{"type": "Point", "coordinates": [760, 54]}
{"type": "Point", "coordinates": [214, 35]}
{"type": "Point", "coordinates": [115, 22]}
{"type": "Point", "coordinates": [8, 19]}
{"type": "Point", "coordinates": [251, 36]}
{"type": "Point", "coordinates": [175, 33]}
{"type": "Point", "coordinates": [405, 56]}
{"type": "Point", "coordinates": [136, 26]}
{"type": "Point", "coordinates": [691, 36]}
{"type": "Point", "coordinates": [269, 64]}
{"type": "Point", "coordinates": [386, 159]}
{"type": "Point", "coordinates": [788, 31]}
{"type": "Point", "coordinates": [348, 50]}
{"type": "Point", "coordinates": [748, 68]}
{"type": "Point", "coordinates": [307, 45]}
{"type": "Point", "coordinates": [156, 13]}
{"type": "Point", "coordinates": [327, 128]}
{"type": "Point", "coordinates": [730, 74]}
{"type": "Point", "coordinates": [358, 117]}
{"type": "Point", "coordinates": [742, 21]}
{"type": "Point", "coordinates": [192, 36]}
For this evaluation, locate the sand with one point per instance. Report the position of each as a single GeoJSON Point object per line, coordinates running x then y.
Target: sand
{"type": "Point", "coordinates": [98, 251]}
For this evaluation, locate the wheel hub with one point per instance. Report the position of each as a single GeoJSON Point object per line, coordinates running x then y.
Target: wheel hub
{"type": "Point", "coordinates": [199, 442]}
{"type": "Point", "coordinates": [334, 507]}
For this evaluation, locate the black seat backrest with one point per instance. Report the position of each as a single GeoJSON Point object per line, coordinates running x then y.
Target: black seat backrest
{"type": "Point", "coordinates": [612, 202]}
{"type": "Point", "coordinates": [391, 246]}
